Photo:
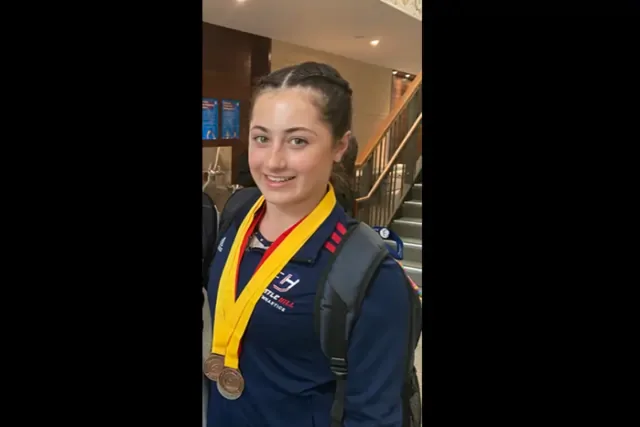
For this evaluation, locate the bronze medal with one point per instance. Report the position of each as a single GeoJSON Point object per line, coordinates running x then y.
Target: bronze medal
{"type": "Point", "coordinates": [213, 365]}
{"type": "Point", "coordinates": [230, 383]}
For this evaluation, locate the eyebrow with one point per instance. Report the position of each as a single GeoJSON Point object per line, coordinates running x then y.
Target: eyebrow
{"type": "Point", "coordinates": [290, 130]}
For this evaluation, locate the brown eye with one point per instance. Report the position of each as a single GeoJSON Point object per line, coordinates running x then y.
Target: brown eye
{"type": "Point", "coordinates": [260, 139]}
{"type": "Point", "coordinates": [298, 142]}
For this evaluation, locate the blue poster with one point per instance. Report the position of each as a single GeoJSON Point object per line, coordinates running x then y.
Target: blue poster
{"type": "Point", "coordinates": [230, 119]}
{"type": "Point", "coordinates": [209, 118]}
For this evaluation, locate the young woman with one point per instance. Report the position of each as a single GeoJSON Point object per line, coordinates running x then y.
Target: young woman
{"type": "Point", "coordinates": [266, 366]}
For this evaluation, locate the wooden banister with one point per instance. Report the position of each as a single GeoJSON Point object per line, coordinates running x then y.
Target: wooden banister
{"type": "Point", "coordinates": [384, 126]}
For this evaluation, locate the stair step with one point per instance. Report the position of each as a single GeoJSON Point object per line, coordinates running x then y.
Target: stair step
{"type": "Point", "coordinates": [407, 227]}
{"type": "Point", "coordinates": [408, 220]}
{"type": "Point", "coordinates": [414, 270]}
{"type": "Point", "coordinates": [411, 240]}
{"type": "Point", "coordinates": [416, 191]}
{"type": "Point", "coordinates": [412, 251]}
{"type": "Point", "coordinates": [412, 208]}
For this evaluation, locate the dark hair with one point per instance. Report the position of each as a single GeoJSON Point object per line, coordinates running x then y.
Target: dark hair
{"type": "Point", "coordinates": [335, 106]}
{"type": "Point", "coordinates": [350, 157]}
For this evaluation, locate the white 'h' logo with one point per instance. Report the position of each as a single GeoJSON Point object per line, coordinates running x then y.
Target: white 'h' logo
{"type": "Point", "coordinates": [287, 280]}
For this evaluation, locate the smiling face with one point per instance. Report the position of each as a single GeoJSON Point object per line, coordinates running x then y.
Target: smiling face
{"type": "Point", "coordinates": [291, 149]}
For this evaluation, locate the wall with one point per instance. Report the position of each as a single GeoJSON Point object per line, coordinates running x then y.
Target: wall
{"type": "Point", "coordinates": [398, 88]}
{"type": "Point", "coordinates": [231, 62]}
{"type": "Point", "coordinates": [371, 84]}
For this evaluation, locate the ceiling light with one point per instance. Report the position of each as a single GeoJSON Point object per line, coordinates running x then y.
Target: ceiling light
{"type": "Point", "coordinates": [394, 73]}
{"type": "Point", "coordinates": [407, 75]}
{"type": "Point", "coordinates": [374, 42]}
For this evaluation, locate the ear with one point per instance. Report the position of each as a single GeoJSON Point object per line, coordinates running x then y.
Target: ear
{"type": "Point", "coordinates": [341, 147]}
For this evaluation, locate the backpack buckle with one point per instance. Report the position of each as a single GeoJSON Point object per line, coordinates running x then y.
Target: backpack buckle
{"type": "Point", "coordinates": [339, 366]}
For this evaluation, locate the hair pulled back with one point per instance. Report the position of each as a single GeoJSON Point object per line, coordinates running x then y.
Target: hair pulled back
{"type": "Point", "coordinates": [334, 105]}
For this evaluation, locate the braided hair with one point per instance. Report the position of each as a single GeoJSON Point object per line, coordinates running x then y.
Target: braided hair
{"type": "Point", "coordinates": [334, 105]}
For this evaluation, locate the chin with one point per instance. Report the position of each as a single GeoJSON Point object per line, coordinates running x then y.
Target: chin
{"type": "Point", "coordinates": [277, 197]}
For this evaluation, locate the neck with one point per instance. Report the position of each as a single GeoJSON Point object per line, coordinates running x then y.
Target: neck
{"type": "Point", "coordinates": [277, 218]}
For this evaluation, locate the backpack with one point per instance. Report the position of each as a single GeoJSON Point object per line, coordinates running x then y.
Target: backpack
{"type": "Point", "coordinates": [341, 290]}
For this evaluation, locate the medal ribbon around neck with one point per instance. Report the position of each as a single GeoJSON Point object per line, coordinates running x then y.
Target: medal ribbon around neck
{"type": "Point", "coordinates": [232, 316]}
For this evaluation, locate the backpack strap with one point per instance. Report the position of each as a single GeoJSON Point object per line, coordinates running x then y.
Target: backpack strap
{"type": "Point", "coordinates": [240, 201]}
{"type": "Point", "coordinates": [412, 403]}
{"type": "Point", "coordinates": [338, 301]}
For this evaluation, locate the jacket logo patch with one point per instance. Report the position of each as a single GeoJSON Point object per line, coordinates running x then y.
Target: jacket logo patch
{"type": "Point", "coordinates": [285, 282]}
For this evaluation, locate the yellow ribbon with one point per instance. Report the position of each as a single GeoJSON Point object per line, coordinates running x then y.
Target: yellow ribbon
{"type": "Point", "coordinates": [232, 316]}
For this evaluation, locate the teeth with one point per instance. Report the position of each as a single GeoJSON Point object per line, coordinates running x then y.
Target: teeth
{"type": "Point", "coordinates": [278, 179]}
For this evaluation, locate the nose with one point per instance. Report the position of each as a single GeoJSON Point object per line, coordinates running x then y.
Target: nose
{"type": "Point", "coordinates": [277, 158]}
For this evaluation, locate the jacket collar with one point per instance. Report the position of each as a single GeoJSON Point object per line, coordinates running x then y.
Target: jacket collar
{"type": "Point", "coordinates": [336, 223]}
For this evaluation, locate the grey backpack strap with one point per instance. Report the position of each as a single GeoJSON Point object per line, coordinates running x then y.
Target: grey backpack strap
{"type": "Point", "coordinates": [338, 301]}
{"type": "Point", "coordinates": [239, 201]}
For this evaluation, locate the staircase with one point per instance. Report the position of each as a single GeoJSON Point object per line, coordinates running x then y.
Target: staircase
{"type": "Point", "coordinates": [408, 225]}
{"type": "Point", "coordinates": [389, 183]}
{"type": "Point", "coordinates": [389, 178]}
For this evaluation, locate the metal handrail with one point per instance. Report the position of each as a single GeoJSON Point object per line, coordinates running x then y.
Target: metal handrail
{"type": "Point", "coordinates": [391, 162]}
{"type": "Point", "coordinates": [385, 126]}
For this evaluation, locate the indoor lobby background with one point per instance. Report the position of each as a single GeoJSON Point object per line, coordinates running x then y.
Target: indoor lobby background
{"type": "Point", "coordinates": [376, 45]}
{"type": "Point", "coordinates": [244, 40]}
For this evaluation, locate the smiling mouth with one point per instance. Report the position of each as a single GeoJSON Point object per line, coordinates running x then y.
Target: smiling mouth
{"type": "Point", "coordinates": [279, 178]}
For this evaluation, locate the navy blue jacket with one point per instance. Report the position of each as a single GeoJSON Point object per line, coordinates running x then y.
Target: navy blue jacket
{"type": "Point", "coordinates": [288, 382]}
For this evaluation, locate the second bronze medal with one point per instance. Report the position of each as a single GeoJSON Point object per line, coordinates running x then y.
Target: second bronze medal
{"type": "Point", "coordinates": [230, 383]}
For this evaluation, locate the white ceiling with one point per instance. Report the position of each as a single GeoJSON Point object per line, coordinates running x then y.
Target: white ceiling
{"type": "Point", "coordinates": [330, 26]}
